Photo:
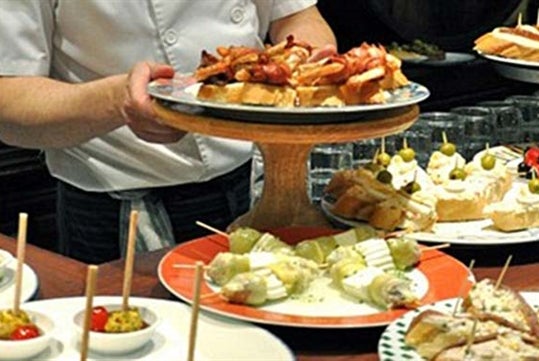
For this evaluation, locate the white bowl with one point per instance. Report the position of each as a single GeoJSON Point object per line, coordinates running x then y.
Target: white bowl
{"type": "Point", "coordinates": [25, 349]}
{"type": "Point", "coordinates": [119, 343]}
{"type": "Point", "coordinates": [5, 260]}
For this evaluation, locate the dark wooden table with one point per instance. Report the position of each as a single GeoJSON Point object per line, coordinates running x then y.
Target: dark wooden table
{"type": "Point", "coordinates": [64, 277]}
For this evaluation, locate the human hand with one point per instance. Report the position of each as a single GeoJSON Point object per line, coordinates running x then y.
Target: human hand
{"type": "Point", "coordinates": [137, 107]}
{"type": "Point", "coordinates": [322, 52]}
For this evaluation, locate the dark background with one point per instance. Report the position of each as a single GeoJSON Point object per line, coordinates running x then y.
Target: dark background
{"type": "Point", "coordinates": [25, 185]}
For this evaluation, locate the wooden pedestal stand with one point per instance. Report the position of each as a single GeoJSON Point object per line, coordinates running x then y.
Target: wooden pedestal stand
{"type": "Point", "coordinates": [285, 149]}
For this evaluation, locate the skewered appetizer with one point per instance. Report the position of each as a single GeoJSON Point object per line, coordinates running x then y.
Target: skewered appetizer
{"type": "Point", "coordinates": [444, 161]}
{"type": "Point", "coordinates": [406, 173]}
{"type": "Point", "coordinates": [290, 275]}
{"type": "Point", "coordinates": [17, 326]}
{"type": "Point", "coordinates": [471, 188]}
{"type": "Point", "coordinates": [245, 239]}
{"type": "Point", "coordinates": [518, 212]}
{"type": "Point", "coordinates": [495, 323]}
{"type": "Point", "coordinates": [282, 76]}
{"type": "Point", "coordinates": [368, 195]}
{"type": "Point", "coordinates": [530, 162]}
{"type": "Point", "coordinates": [118, 321]}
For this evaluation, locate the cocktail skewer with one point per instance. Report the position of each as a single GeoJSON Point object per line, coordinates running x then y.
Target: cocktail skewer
{"type": "Point", "coordinates": [195, 307]}
{"type": "Point", "coordinates": [210, 228]}
{"type": "Point", "coordinates": [129, 259]}
{"type": "Point", "coordinates": [461, 291]}
{"type": "Point", "coordinates": [91, 278]}
{"type": "Point", "coordinates": [504, 270]}
{"type": "Point", "coordinates": [21, 250]}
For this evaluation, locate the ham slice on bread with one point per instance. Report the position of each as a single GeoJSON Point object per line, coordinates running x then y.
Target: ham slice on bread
{"type": "Point", "coordinates": [520, 42]}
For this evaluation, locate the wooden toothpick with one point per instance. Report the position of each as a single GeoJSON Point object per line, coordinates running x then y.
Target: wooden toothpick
{"type": "Point", "coordinates": [21, 250]}
{"type": "Point", "coordinates": [195, 307]}
{"type": "Point", "coordinates": [129, 259]}
{"type": "Point", "coordinates": [502, 273]}
{"type": "Point", "coordinates": [461, 291]}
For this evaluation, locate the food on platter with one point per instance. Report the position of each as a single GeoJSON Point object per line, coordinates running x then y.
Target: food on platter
{"type": "Point", "coordinates": [363, 266]}
{"type": "Point", "coordinates": [416, 50]}
{"type": "Point", "coordinates": [17, 326]}
{"type": "Point", "coordinates": [406, 172]}
{"type": "Point", "coordinates": [366, 195]}
{"type": "Point", "coordinates": [519, 42]}
{"type": "Point", "coordinates": [246, 239]}
{"type": "Point", "coordinates": [470, 189]}
{"type": "Point", "coordinates": [493, 323]}
{"type": "Point", "coordinates": [282, 76]}
{"type": "Point", "coordinates": [116, 321]}
{"type": "Point", "coordinates": [519, 212]}
{"type": "Point", "coordinates": [529, 163]}
{"type": "Point", "coordinates": [115, 331]}
{"type": "Point", "coordinates": [442, 162]}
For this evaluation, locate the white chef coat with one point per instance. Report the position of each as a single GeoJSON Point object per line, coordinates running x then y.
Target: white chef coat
{"type": "Point", "coordinates": [83, 40]}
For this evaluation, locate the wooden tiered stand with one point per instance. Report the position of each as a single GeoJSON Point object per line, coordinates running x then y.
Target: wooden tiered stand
{"type": "Point", "coordinates": [285, 149]}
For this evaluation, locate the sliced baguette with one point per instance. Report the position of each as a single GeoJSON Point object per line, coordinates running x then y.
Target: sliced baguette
{"type": "Point", "coordinates": [248, 93]}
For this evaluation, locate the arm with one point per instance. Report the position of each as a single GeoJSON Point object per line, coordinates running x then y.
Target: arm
{"type": "Point", "coordinates": [307, 25]}
{"type": "Point", "coordinates": [38, 112]}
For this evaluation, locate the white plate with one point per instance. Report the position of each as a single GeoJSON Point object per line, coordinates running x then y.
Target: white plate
{"type": "Point", "coordinates": [217, 338]}
{"type": "Point", "coordinates": [392, 347]}
{"type": "Point", "coordinates": [473, 233]}
{"type": "Point", "coordinates": [516, 69]}
{"type": "Point", "coordinates": [451, 58]}
{"type": "Point", "coordinates": [182, 89]}
{"type": "Point", "coordinates": [30, 284]}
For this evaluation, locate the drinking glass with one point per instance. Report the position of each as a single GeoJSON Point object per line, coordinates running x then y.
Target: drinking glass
{"type": "Point", "coordinates": [508, 122]}
{"type": "Point", "coordinates": [529, 107]}
{"type": "Point", "coordinates": [365, 149]}
{"type": "Point", "coordinates": [325, 160]}
{"type": "Point", "coordinates": [439, 122]}
{"type": "Point", "coordinates": [478, 128]}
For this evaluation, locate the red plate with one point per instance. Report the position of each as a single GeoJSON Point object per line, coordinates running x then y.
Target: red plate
{"type": "Point", "coordinates": [444, 277]}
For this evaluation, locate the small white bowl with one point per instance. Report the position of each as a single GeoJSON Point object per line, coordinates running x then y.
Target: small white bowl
{"type": "Point", "coordinates": [5, 260]}
{"type": "Point", "coordinates": [25, 349]}
{"type": "Point", "coordinates": [119, 343]}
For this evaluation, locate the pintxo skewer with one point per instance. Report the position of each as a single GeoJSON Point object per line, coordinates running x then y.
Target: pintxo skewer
{"type": "Point", "coordinates": [129, 259]}
{"type": "Point", "coordinates": [195, 308]}
{"type": "Point", "coordinates": [21, 251]}
{"type": "Point", "coordinates": [91, 279]}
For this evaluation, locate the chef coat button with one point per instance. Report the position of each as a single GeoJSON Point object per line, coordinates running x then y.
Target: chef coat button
{"type": "Point", "coordinates": [237, 14]}
{"type": "Point", "coordinates": [171, 37]}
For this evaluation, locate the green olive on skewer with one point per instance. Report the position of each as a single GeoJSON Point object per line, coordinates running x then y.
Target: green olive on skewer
{"type": "Point", "coordinates": [457, 174]}
{"type": "Point", "coordinates": [447, 148]}
{"type": "Point", "coordinates": [533, 184]}
{"type": "Point", "coordinates": [407, 154]}
{"type": "Point", "coordinates": [384, 176]}
{"type": "Point", "coordinates": [488, 161]}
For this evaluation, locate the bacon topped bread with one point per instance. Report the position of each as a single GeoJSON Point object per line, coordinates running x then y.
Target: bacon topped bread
{"type": "Point", "coordinates": [282, 76]}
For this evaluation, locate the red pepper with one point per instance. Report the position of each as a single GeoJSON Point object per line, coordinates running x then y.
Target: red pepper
{"type": "Point", "coordinates": [531, 157]}
{"type": "Point", "coordinates": [24, 332]}
{"type": "Point", "coordinates": [99, 319]}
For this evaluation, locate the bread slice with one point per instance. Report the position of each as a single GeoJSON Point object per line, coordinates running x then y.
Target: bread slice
{"type": "Point", "coordinates": [517, 43]}
{"type": "Point", "coordinates": [248, 93]}
{"type": "Point", "coordinates": [515, 213]}
{"type": "Point", "coordinates": [323, 95]}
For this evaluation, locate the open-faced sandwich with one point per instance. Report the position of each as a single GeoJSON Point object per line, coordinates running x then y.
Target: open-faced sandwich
{"type": "Point", "coordinates": [519, 42]}
{"type": "Point", "coordinates": [494, 323]}
{"type": "Point", "coordinates": [282, 76]}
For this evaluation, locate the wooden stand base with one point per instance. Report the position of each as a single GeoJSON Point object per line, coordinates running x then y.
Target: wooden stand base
{"type": "Point", "coordinates": [285, 149]}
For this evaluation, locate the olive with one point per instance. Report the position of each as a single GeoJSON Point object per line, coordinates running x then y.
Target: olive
{"type": "Point", "coordinates": [523, 167]}
{"type": "Point", "coordinates": [533, 185]}
{"type": "Point", "coordinates": [383, 159]}
{"type": "Point", "coordinates": [448, 149]}
{"type": "Point", "coordinates": [384, 176]}
{"type": "Point", "coordinates": [407, 154]}
{"type": "Point", "coordinates": [457, 173]}
{"type": "Point", "coordinates": [412, 187]}
{"type": "Point", "coordinates": [488, 161]}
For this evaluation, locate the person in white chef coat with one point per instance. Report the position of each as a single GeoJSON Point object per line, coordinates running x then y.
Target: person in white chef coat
{"type": "Point", "coordinates": [73, 78]}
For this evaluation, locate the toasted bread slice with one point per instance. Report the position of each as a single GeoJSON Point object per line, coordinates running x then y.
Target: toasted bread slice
{"type": "Point", "coordinates": [249, 93]}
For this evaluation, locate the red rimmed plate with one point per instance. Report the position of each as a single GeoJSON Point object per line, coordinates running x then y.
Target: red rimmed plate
{"type": "Point", "coordinates": [437, 277]}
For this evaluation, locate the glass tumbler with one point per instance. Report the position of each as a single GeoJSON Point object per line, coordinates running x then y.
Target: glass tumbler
{"type": "Point", "coordinates": [478, 128]}
{"type": "Point", "coordinates": [325, 160]}
{"type": "Point", "coordinates": [365, 149]}
{"type": "Point", "coordinates": [508, 124]}
{"type": "Point", "coordinates": [440, 122]}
